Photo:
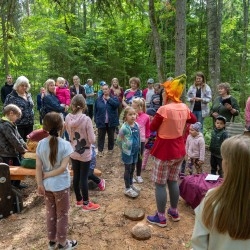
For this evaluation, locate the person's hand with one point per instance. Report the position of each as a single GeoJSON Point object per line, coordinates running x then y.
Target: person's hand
{"type": "Point", "coordinates": [66, 108]}
{"type": "Point", "coordinates": [197, 99]}
{"type": "Point", "coordinates": [215, 114]}
{"type": "Point", "coordinates": [41, 190]}
{"type": "Point", "coordinates": [228, 106]}
{"type": "Point", "coordinates": [45, 175]}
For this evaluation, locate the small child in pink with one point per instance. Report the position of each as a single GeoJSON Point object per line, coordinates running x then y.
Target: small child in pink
{"type": "Point", "coordinates": [143, 121]}
{"type": "Point", "coordinates": [148, 146]}
{"type": "Point", "coordinates": [62, 93]}
{"type": "Point", "coordinates": [195, 149]}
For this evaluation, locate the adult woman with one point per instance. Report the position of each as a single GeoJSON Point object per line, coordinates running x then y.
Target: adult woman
{"type": "Point", "coordinates": [133, 92]}
{"type": "Point", "coordinates": [168, 151]}
{"type": "Point", "coordinates": [106, 118]}
{"type": "Point", "coordinates": [224, 104]}
{"type": "Point", "coordinates": [50, 101]}
{"type": "Point", "coordinates": [90, 97]}
{"type": "Point", "coordinates": [77, 88]}
{"type": "Point", "coordinates": [116, 90]}
{"type": "Point", "coordinates": [199, 95]}
{"type": "Point", "coordinates": [21, 98]}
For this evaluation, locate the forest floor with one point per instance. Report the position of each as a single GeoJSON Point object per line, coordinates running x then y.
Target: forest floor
{"type": "Point", "coordinates": [106, 228]}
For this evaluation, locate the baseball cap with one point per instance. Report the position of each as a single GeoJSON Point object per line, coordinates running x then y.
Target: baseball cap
{"type": "Point", "coordinates": [102, 83]}
{"type": "Point", "coordinates": [150, 81]}
{"type": "Point", "coordinates": [221, 118]}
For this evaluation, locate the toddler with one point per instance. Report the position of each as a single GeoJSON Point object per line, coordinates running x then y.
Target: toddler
{"type": "Point", "coordinates": [62, 93]}
{"type": "Point", "coordinates": [195, 149]}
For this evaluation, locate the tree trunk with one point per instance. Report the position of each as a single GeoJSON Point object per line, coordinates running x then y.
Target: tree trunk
{"type": "Point", "coordinates": [180, 40]}
{"type": "Point", "coordinates": [5, 40]}
{"type": "Point", "coordinates": [244, 72]}
{"type": "Point", "coordinates": [214, 10]}
{"type": "Point", "coordinates": [157, 42]}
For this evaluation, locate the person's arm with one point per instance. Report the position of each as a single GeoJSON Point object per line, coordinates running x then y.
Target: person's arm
{"type": "Point", "coordinates": [83, 91]}
{"type": "Point", "coordinates": [113, 101]}
{"type": "Point", "coordinates": [208, 95]}
{"type": "Point", "coordinates": [202, 150]}
{"type": "Point", "coordinates": [234, 109]}
{"type": "Point", "coordinates": [51, 103]}
{"type": "Point", "coordinates": [39, 176]}
{"type": "Point", "coordinates": [156, 122]}
{"type": "Point", "coordinates": [57, 171]}
{"type": "Point", "coordinates": [192, 119]}
{"type": "Point", "coordinates": [90, 131]}
{"type": "Point", "coordinates": [2, 94]}
{"type": "Point", "coordinates": [200, 237]}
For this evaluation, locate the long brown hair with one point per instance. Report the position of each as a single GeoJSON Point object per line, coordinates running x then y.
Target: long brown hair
{"type": "Point", "coordinates": [227, 208]}
{"type": "Point", "coordinates": [53, 123]}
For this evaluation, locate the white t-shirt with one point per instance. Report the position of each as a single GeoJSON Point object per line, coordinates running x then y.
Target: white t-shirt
{"type": "Point", "coordinates": [149, 94]}
{"type": "Point", "coordinates": [59, 182]}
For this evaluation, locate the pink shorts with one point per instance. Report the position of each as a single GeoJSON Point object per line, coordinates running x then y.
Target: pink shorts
{"type": "Point", "coordinates": [166, 170]}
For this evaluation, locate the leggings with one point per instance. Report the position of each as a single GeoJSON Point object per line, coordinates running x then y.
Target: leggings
{"type": "Point", "coordinates": [128, 174]}
{"type": "Point", "coordinates": [161, 195]}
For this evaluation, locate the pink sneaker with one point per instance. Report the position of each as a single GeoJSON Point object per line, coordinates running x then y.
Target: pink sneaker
{"type": "Point", "coordinates": [79, 203]}
{"type": "Point", "coordinates": [90, 207]}
{"type": "Point", "coordinates": [101, 185]}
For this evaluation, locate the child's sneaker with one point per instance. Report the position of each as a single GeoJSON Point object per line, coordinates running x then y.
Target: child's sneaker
{"type": "Point", "coordinates": [174, 215]}
{"type": "Point", "coordinates": [90, 206]}
{"type": "Point", "coordinates": [100, 154]}
{"type": "Point", "coordinates": [134, 180]}
{"type": "Point", "coordinates": [70, 244]}
{"type": "Point", "coordinates": [52, 245]}
{"type": "Point", "coordinates": [139, 179]}
{"type": "Point", "coordinates": [136, 189]}
{"type": "Point", "coordinates": [154, 219]}
{"type": "Point", "coordinates": [131, 193]}
{"type": "Point", "coordinates": [79, 203]}
{"type": "Point", "coordinates": [101, 185]}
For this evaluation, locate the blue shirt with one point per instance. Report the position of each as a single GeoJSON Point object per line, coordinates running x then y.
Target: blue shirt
{"type": "Point", "coordinates": [61, 181]}
{"type": "Point", "coordinates": [89, 90]}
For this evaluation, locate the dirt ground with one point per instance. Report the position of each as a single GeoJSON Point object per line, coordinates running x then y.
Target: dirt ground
{"type": "Point", "coordinates": [106, 228]}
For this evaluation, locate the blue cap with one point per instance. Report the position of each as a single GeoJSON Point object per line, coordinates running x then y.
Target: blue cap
{"type": "Point", "coordinates": [102, 83]}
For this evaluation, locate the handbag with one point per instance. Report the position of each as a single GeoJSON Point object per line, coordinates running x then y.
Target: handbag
{"type": "Point", "coordinates": [234, 128]}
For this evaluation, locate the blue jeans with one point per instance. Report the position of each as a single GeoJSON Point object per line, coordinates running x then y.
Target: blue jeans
{"type": "Point", "coordinates": [199, 118]}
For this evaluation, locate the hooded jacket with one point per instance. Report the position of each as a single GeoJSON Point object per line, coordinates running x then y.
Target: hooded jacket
{"type": "Point", "coordinates": [11, 143]}
{"type": "Point", "coordinates": [195, 147]}
{"type": "Point", "coordinates": [81, 136]}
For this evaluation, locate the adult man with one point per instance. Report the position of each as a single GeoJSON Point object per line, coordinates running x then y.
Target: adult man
{"type": "Point", "coordinates": [149, 91]}
{"type": "Point", "coordinates": [89, 91]}
{"type": "Point", "coordinates": [7, 88]}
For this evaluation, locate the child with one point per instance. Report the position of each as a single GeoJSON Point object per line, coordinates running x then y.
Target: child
{"type": "Point", "coordinates": [150, 143]}
{"type": "Point", "coordinates": [62, 93]}
{"type": "Point", "coordinates": [100, 182]}
{"type": "Point", "coordinates": [218, 135]}
{"type": "Point", "coordinates": [81, 134]}
{"type": "Point", "coordinates": [143, 120]}
{"type": "Point", "coordinates": [195, 149]}
{"type": "Point", "coordinates": [155, 101]}
{"type": "Point", "coordinates": [128, 140]}
{"type": "Point", "coordinates": [11, 143]}
{"type": "Point", "coordinates": [222, 219]}
{"type": "Point", "coordinates": [53, 180]}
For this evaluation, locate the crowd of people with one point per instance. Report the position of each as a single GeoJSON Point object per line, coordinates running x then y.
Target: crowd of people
{"type": "Point", "coordinates": [155, 122]}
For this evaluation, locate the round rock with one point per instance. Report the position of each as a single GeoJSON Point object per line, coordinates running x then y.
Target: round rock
{"type": "Point", "coordinates": [141, 231]}
{"type": "Point", "coordinates": [134, 213]}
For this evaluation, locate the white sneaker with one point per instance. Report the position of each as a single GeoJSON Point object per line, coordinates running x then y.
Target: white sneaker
{"type": "Point", "coordinates": [134, 180]}
{"type": "Point", "coordinates": [131, 193]}
{"type": "Point", "coordinates": [139, 179]}
{"type": "Point", "coordinates": [136, 188]}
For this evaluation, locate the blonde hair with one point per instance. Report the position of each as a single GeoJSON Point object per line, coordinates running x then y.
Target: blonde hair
{"type": "Point", "coordinates": [117, 90]}
{"type": "Point", "coordinates": [12, 107]}
{"type": "Point", "coordinates": [60, 79]}
{"type": "Point", "coordinates": [227, 208]}
{"type": "Point", "coordinates": [47, 83]}
{"type": "Point", "coordinates": [140, 102]}
{"type": "Point", "coordinates": [53, 123]}
{"type": "Point", "coordinates": [78, 103]}
{"type": "Point", "coordinates": [21, 80]}
{"type": "Point", "coordinates": [126, 111]}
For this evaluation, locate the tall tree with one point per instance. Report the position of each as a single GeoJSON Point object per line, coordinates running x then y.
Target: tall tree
{"type": "Point", "coordinates": [157, 41]}
{"type": "Point", "coordinates": [214, 12]}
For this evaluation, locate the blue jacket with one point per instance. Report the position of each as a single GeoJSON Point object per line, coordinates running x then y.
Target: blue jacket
{"type": "Point", "coordinates": [51, 103]}
{"type": "Point", "coordinates": [100, 109]}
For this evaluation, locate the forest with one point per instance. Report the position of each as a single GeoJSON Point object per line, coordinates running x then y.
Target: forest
{"type": "Point", "coordinates": [102, 39]}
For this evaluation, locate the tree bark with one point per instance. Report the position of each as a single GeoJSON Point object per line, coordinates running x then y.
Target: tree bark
{"type": "Point", "coordinates": [157, 42]}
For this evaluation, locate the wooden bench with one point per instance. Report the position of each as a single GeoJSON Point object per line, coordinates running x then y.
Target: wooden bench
{"type": "Point", "coordinates": [19, 173]}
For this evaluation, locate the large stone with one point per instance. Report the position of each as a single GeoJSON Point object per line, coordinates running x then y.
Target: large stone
{"type": "Point", "coordinates": [141, 231]}
{"type": "Point", "coordinates": [134, 213]}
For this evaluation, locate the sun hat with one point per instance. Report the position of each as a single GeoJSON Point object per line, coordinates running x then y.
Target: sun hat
{"type": "Point", "coordinates": [196, 126]}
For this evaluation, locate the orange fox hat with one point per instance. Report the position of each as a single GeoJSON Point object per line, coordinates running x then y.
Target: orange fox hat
{"type": "Point", "coordinates": [175, 87]}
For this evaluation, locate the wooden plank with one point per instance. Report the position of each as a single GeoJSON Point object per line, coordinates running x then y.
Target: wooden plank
{"type": "Point", "coordinates": [19, 173]}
